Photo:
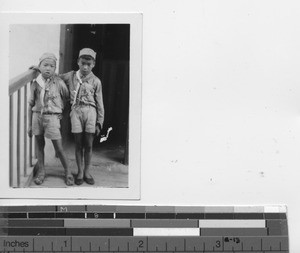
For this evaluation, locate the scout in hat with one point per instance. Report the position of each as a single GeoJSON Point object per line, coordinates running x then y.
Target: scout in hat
{"type": "Point", "coordinates": [46, 104]}
{"type": "Point", "coordinates": [87, 111]}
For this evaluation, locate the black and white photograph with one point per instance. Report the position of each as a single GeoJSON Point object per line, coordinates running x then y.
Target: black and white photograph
{"type": "Point", "coordinates": [70, 91]}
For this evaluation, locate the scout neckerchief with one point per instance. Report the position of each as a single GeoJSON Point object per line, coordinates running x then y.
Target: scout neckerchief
{"type": "Point", "coordinates": [80, 82]}
{"type": "Point", "coordinates": [77, 88]}
{"type": "Point", "coordinates": [42, 84]}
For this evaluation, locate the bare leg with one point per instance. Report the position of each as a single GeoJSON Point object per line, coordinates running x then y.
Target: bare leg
{"type": "Point", "coordinates": [88, 150]}
{"type": "Point", "coordinates": [79, 156]}
{"type": "Point", "coordinates": [40, 175]}
{"type": "Point", "coordinates": [62, 156]}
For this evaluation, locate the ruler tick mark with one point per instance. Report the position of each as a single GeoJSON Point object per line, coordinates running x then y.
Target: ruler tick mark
{"type": "Point", "coordinates": [147, 240]}
{"type": "Point", "coordinates": [280, 246]}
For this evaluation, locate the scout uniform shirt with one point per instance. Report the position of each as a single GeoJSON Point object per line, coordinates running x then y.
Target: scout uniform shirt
{"type": "Point", "coordinates": [50, 98]}
{"type": "Point", "coordinates": [88, 92]}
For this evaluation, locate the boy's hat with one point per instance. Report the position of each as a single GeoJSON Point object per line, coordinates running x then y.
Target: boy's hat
{"type": "Point", "coordinates": [48, 56]}
{"type": "Point", "coordinates": [87, 51]}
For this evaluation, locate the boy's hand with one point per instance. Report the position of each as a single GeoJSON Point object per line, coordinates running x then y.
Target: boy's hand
{"type": "Point", "coordinates": [29, 131]}
{"type": "Point", "coordinates": [98, 129]}
{"type": "Point", "coordinates": [34, 68]}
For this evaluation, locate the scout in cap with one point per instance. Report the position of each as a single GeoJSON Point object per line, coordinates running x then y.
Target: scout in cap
{"type": "Point", "coordinates": [46, 104]}
{"type": "Point", "coordinates": [87, 111]}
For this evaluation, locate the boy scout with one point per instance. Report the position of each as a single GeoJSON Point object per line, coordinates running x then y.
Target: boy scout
{"type": "Point", "coordinates": [87, 111]}
{"type": "Point", "coordinates": [46, 103]}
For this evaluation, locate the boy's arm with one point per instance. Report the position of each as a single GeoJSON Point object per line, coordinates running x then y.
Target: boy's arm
{"type": "Point", "coordinates": [64, 92]}
{"type": "Point", "coordinates": [99, 104]}
{"type": "Point", "coordinates": [65, 77]}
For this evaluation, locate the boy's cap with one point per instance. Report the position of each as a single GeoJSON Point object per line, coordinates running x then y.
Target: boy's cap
{"type": "Point", "coordinates": [87, 51]}
{"type": "Point", "coordinates": [48, 56]}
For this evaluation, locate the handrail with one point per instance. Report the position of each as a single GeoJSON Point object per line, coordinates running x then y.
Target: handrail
{"type": "Point", "coordinates": [16, 85]}
{"type": "Point", "coordinates": [21, 80]}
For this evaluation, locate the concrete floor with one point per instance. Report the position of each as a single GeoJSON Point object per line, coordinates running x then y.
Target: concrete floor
{"type": "Point", "coordinates": [106, 168]}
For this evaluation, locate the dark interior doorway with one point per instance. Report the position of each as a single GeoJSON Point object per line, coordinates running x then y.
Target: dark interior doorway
{"type": "Point", "coordinates": [111, 42]}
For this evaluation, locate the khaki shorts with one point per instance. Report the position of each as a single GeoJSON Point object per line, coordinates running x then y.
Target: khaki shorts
{"type": "Point", "coordinates": [83, 119]}
{"type": "Point", "coordinates": [47, 125]}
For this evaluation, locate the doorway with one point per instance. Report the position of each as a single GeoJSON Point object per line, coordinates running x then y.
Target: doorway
{"type": "Point", "coordinates": [111, 42]}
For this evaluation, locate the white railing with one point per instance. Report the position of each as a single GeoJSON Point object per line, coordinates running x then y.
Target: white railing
{"type": "Point", "coordinates": [18, 87]}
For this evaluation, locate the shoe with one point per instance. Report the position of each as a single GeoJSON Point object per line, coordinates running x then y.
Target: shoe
{"type": "Point", "coordinates": [69, 180]}
{"type": "Point", "coordinates": [90, 181]}
{"type": "Point", "coordinates": [39, 179]}
{"type": "Point", "coordinates": [78, 181]}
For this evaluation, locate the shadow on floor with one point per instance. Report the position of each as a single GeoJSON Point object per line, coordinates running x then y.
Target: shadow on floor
{"type": "Point", "coordinates": [106, 167]}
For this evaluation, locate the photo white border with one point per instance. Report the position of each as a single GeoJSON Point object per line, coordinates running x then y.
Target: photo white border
{"type": "Point", "coordinates": [135, 82]}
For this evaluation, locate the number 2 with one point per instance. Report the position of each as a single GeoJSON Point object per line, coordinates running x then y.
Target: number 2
{"type": "Point", "coordinates": [141, 244]}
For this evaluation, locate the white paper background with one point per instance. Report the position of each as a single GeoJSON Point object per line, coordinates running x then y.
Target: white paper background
{"type": "Point", "coordinates": [220, 101]}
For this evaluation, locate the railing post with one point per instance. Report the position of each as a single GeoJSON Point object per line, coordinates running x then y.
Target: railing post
{"type": "Point", "coordinates": [11, 140]}
{"type": "Point", "coordinates": [25, 130]}
{"type": "Point", "coordinates": [30, 152]}
{"type": "Point", "coordinates": [18, 138]}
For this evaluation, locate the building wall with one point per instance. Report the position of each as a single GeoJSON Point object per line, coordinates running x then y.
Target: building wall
{"type": "Point", "coordinates": [28, 42]}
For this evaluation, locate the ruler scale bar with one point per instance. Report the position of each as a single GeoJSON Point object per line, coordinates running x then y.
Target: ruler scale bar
{"type": "Point", "coordinates": [212, 216]}
{"type": "Point", "coordinates": [166, 232]}
{"type": "Point", "coordinates": [106, 223]}
{"type": "Point", "coordinates": [134, 216]}
{"type": "Point", "coordinates": [148, 209]}
{"type": "Point", "coordinates": [141, 243]}
{"type": "Point", "coordinates": [165, 223]}
{"type": "Point", "coordinates": [232, 223]}
{"type": "Point", "coordinates": [143, 229]}
{"type": "Point", "coordinates": [37, 231]}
